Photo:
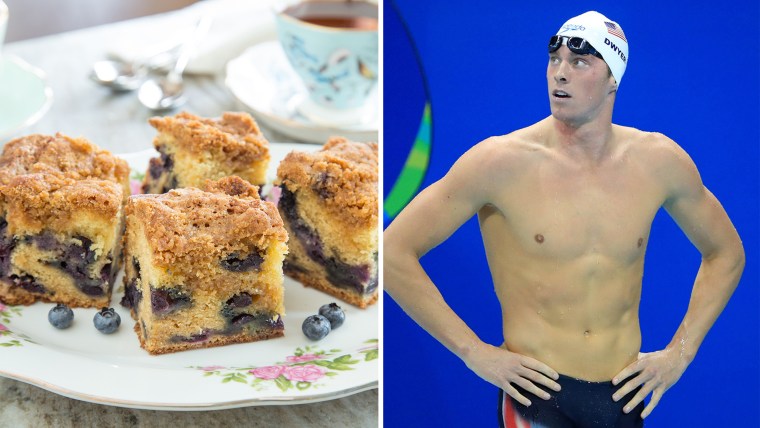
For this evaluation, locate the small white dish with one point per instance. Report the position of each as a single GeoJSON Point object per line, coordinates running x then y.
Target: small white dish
{"type": "Point", "coordinates": [262, 79]}
{"type": "Point", "coordinates": [24, 95]}
{"type": "Point", "coordinates": [82, 363]}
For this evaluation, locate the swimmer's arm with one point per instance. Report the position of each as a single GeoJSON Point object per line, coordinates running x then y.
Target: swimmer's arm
{"type": "Point", "coordinates": [427, 221]}
{"type": "Point", "coordinates": [703, 219]}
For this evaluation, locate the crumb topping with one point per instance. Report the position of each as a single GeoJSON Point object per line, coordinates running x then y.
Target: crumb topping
{"type": "Point", "coordinates": [206, 225]}
{"type": "Point", "coordinates": [49, 200]}
{"type": "Point", "coordinates": [343, 173]}
{"type": "Point", "coordinates": [74, 158]}
{"type": "Point", "coordinates": [233, 186]}
{"type": "Point", "coordinates": [235, 134]}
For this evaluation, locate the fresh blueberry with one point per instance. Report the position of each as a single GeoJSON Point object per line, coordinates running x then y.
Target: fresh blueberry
{"type": "Point", "coordinates": [107, 320]}
{"type": "Point", "coordinates": [316, 327]}
{"type": "Point", "coordinates": [61, 316]}
{"type": "Point", "coordinates": [334, 314]}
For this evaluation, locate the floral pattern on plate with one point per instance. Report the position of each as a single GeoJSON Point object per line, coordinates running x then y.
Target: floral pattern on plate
{"type": "Point", "coordinates": [306, 368]}
{"type": "Point", "coordinates": [6, 313]}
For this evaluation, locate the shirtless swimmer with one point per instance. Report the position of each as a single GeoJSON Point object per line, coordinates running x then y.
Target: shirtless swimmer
{"type": "Point", "coordinates": [565, 208]}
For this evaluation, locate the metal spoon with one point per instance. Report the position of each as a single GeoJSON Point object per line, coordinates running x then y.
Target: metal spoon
{"type": "Point", "coordinates": [123, 76]}
{"type": "Point", "coordinates": [168, 92]}
{"type": "Point", "coordinates": [118, 75]}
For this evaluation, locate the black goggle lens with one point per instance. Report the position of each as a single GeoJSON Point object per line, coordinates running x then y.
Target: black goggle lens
{"type": "Point", "coordinates": [576, 45]}
{"type": "Point", "coordinates": [554, 43]}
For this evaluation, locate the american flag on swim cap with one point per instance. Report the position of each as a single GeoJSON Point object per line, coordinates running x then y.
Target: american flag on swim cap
{"type": "Point", "coordinates": [615, 30]}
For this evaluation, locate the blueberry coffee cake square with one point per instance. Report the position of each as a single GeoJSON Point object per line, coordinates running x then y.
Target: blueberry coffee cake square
{"type": "Point", "coordinates": [328, 201]}
{"type": "Point", "coordinates": [194, 149]}
{"type": "Point", "coordinates": [203, 268]}
{"type": "Point", "coordinates": [61, 218]}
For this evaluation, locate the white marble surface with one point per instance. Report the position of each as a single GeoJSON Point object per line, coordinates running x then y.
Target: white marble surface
{"type": "Point", "coordinates": [23, 405]}
{"type": "Point", "coordinates": [118, 123]}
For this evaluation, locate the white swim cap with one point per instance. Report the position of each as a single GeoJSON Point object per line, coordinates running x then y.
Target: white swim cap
{"type": "Point", "coordinates": [605, 36]}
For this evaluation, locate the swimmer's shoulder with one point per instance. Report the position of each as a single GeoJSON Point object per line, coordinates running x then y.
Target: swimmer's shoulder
{"type": "Point", "coordinates": [659, 154]}
{"type": "Point", "coordinates": [655, 148]}
{"type": "Point", "coordinates": [488, 167]}
{"type": "Point", "coordinates": [508, 151]}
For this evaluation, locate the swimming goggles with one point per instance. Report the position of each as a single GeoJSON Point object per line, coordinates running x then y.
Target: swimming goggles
{"type": "Point", "coordinates": [577, 45]}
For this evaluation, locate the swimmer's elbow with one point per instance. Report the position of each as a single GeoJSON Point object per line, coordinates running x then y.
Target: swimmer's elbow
{"type": "Point", "coordinates": [736, 255]}
{"type": "Point", "coordinates": [740, 259]}
{"type": "Point", "coordinates": [731, 257]}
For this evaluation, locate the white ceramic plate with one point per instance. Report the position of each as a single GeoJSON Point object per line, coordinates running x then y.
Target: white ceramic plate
{"type": "Point", "coordinates": [82, 363]}
{"type": "Point", "coordinates": [263, 81]}
{"type": "Point", "coordinates": [24, 95]}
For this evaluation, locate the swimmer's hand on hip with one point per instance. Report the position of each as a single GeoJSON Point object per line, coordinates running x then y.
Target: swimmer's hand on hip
{"type": "Point", "coordinates": [505, 369]}
{"type": "Point", "coordinates": [657, 372]}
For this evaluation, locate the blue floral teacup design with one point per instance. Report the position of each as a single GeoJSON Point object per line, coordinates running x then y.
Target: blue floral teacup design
{"type": "Point", "coordinates": [338, 66]}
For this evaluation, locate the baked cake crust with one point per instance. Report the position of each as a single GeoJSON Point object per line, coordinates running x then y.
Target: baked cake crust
{"type": "Point", "coordinates": [194, 149]}
{"type": "Point", "coordinates": [329, 202]}
{"type": "Point", "coordinates": [235, 134]}
{"type": "Point", "coordinates": [204, 267]}
{"type": "Point", "coordinates": [344, 172]}
{"type": "Point", "coordinates": [73, 158]}
{"type": "Point", "coordinates": [48, 201]}
{"type": "Point", "coordinates": [212, 342]}
{"type": "Point", "coordinates": [321, 284]}
{"type": "Point", "coordinates": [61, 205]}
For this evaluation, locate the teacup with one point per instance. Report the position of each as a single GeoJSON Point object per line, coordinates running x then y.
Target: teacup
{"type": "Point", "coordinates": [333, 47]}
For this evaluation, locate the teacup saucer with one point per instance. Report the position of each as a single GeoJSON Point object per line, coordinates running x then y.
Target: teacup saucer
{"type": "Point", "coordinates": [331, 117]}
{"type": "Point", "coordinates": [24, 96]}
{"type": "Point", "coordinates": [261, 78]}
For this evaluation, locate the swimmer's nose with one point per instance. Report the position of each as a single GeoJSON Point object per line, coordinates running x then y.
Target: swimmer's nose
{"type": "Point", "coordinates": [561, 75]}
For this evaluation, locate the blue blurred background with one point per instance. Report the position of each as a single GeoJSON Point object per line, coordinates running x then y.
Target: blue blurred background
{"type": "Point", "coordinates": [693, 75]}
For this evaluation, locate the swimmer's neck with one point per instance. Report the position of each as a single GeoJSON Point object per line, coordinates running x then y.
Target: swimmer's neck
{"type": "Point", "coordinates": [590, 141]}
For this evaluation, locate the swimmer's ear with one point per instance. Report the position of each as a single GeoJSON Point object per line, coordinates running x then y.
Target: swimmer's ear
{"type": "Point", "coordinates": [613, 86]}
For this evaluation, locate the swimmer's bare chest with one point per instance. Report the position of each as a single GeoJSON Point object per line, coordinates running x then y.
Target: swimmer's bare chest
{"type": "Point", "coordinates": [559, 214]}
